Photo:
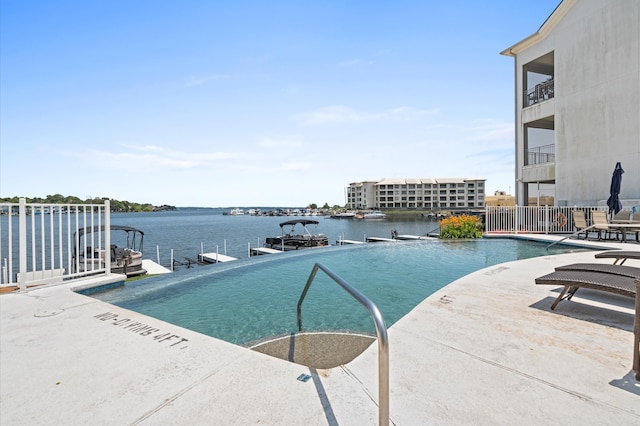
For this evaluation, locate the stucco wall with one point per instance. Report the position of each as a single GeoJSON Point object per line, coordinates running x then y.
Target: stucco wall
{"type": "Point", "coordinates": [597, 98]}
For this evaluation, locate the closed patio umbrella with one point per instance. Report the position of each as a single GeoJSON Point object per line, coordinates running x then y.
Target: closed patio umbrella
{"type": "Point", "coordinates": [614, 192]}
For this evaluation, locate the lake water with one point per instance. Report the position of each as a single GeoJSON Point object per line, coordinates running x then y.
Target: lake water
{"type": "Point", "coordinates": [185, 230]}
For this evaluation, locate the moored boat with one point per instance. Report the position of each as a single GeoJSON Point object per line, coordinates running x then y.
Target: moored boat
{"type": "Point", "coordinates": [343, 215]}
{"type": "Point", "coordinates": [376, 214]}
{"type": "Point", "coordinates": [125, 259]}
{"type": "Point", "coordinates": [292, 239]}
{"type": "Point", "coordinates": [236, 212]}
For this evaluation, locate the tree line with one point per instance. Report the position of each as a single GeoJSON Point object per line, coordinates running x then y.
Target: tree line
{"type": "Point", "coordinates": [116, 205]}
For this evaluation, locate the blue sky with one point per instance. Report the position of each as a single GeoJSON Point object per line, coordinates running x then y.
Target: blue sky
{"type": "Point", "coordinates": [255, 103]}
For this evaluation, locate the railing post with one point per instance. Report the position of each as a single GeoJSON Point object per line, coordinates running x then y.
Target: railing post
{"type": "Point", "coordinates": [515, 218]}
{"type": "Point", "coordinates": [546, 219]}
{"type": "Point", "coordinates": [107, 235]}
{"type": "Point", "coordinates": [10, 244]}
{"type": "Point", "coordinates": [22, 243]}
{"type": "Point", "coordinates": [486, 219]}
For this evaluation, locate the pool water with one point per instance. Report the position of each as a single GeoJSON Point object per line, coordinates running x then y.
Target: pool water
{"type": "Point", "coordinates": [248, 300]}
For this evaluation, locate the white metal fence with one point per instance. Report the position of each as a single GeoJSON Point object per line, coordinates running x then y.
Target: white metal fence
{"type": "Point", "coordinates": [534, 219]}
{"type": "Point", "coordinates": [39, 243]}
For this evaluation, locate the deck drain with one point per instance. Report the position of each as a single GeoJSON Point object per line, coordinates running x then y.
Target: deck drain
{"type": "Point", "coordinates": [45, 314]}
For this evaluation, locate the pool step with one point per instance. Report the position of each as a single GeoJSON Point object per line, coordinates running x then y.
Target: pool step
{"type": "Point", "coordinates": [316, 349]}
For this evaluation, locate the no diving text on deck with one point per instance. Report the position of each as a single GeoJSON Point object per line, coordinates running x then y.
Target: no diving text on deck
{"type": "Point", "coordinates": [141, 328]}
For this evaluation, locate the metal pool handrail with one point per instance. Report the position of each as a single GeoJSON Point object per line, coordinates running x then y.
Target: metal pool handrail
{"type": "Point", "coordinates": [381, 331]}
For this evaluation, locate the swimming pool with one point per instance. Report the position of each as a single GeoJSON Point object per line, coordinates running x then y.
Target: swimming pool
{"type": "Point", "coordinates": [252, 299]}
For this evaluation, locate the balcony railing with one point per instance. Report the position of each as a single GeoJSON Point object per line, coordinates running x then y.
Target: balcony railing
{"type": "Point", "coordinates": [541, 155]}
{"type": "Point", "coordinates": [540, 93]}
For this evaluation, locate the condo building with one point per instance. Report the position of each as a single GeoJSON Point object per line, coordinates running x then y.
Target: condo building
{"type": "Point", "coordinates": [577, 104]}
{"type": "Point", "coordinates": [417, 193]}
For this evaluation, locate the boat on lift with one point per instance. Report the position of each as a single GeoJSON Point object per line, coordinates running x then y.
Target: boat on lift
{"type": "Point", "coordinates": [125, 248]}
{"type": "Point", "coordinates": [292, 238]}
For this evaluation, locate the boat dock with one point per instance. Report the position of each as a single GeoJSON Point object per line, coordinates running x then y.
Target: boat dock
{"type": "Point", "coordinates": [257, 251]}
{"type": "Point", "coordinates": [154, 268]}
{"type": "Point", "coordinates": [413, 237]}
{"type": "Point", "coordinates": [343, 242]}
{"type": "Point", "coordinates": [215, 258]}
{"type": "Point", "coordinates": [380, 239]}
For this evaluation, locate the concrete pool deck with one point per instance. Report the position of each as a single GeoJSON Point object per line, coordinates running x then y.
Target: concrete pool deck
{"type": "Point", "coordinates": [485, 349]}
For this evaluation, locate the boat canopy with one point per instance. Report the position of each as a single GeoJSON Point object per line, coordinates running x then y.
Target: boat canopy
{"type": "Point", "coordinates": [90, 230]}
{"type": "Point", "coordinates": [303, 222]}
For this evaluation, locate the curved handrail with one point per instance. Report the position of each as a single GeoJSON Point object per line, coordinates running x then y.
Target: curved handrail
{"type": "Point", "coordinates": [381, 331]}
{"type": "Point", "coordinates": [572, 235]}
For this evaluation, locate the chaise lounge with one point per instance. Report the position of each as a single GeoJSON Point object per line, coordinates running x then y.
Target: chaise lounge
{"type": "Point", "coordinates": [612, 278]}
{"type": "Point", "coordinates": [572, 280]}
{"type": "Point", "coordinates": [607, 268]}
{"type": "Point", "coordinates": [619, 255]}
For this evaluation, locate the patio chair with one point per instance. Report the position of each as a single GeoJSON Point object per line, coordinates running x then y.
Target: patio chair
{"type": "Point", "coordinates": [574, 280]}
{"type": "Point", "coordinates": [601, 224]}
{"type": "Point", "coordinates": [627, 217]}
{"type": "Point", "coordinates": [580, 223]}
{"type": "Point", "coordinates": [622, 215]}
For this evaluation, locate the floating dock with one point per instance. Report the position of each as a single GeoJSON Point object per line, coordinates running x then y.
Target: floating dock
{"type": "Point", "coordinates": [413, 237]}
{"type": "Point", "coordinates": [343, 242]}
{"type": "Point", "coordinates": [258, 251]}
{"type": "Point", "coordinates": [380, 239]}
{"type": "Point", "coordinates": [215, 258]}
{"type": "Point", "coordinates": [154, 268]}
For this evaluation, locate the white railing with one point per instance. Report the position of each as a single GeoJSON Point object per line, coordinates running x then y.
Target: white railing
{"type": "Point", "coordinates": [39, 243]}
{"type": "Point", "coordinates": [533, 219]}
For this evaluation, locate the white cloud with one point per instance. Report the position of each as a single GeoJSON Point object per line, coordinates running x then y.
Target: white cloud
{"type": "Point", "coordinates": [300, 165]}
{"type": "Point", "coordinates": [155, 157]}
{"type": "Point", "coordinates": [344, 114]}
{"type": "Point", "coordinates": [491, 131]}
{"type": "Point", "coordinates": [284, 142]}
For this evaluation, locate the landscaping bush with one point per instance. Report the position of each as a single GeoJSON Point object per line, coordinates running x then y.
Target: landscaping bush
{"type": "Point", "coordinates": [463, 226]}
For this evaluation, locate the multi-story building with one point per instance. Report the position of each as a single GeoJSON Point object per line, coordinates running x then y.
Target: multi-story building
{"type": "Point", "coordinates": [417, 193]}
{"type": "Point", "coordinates": [577, 104]}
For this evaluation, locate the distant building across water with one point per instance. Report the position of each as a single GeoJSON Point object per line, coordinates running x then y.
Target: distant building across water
{"type": "Point", "coordinates": [417, 193]}
{"type": "Point", "coordinates": [500, 199]}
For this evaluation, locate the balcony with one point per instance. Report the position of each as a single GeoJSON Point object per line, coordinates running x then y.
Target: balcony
{"type": "Point", "coordinates": [541, 155]}
{"type": "Point", "coordinates": [539, 93]}
{"type": "Point", "coordinates": [540, 164]}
